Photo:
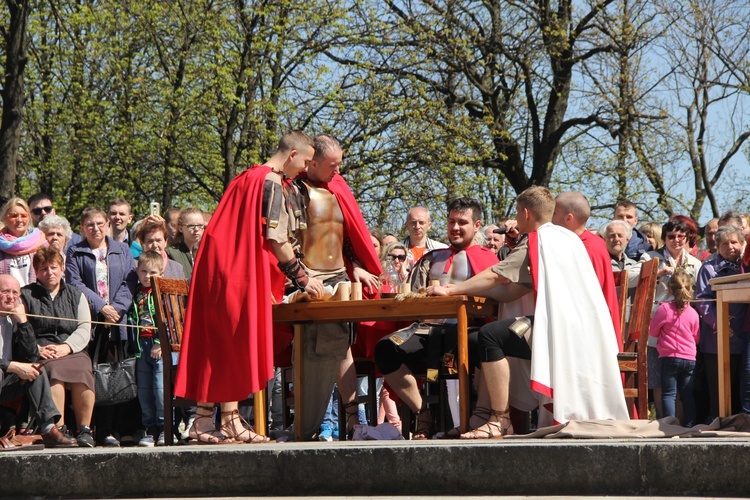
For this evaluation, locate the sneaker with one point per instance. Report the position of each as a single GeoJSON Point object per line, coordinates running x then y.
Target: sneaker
{"type": "Point", "coordinates": [146, 442]}
{"type": "Point", "coordinates": [335, 432]}
{"type": "Point", "coordinates": [160, 441]}
{"type": "Point", "coordinates": [85, 438]}
{"type": "Point", "coordinates": [110, 442]}
{"type": "Point", "coordinates": [326, 433]}
{"type": "Point", "coordinates": [185, 433]}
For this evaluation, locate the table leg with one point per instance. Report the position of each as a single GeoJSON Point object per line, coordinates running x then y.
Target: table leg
{"type": "Point", "coordinates": [722, 355]}
{"type": "Point", "coordinates": [299, 351]}
{"type": "Point", "coordinates": [259, 412]}
{"type": "Point", "coordinates": [464, 396]}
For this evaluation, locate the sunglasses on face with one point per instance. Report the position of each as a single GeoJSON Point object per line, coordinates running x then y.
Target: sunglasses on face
{"type": "Point", "coordinates": [676, 236]}
{"type": "Point", "coordinates": [18, 216]}
{"type": "Point", "coordinates": [402, 258]}
{"type": "Point", "coordinates": [39, 210]}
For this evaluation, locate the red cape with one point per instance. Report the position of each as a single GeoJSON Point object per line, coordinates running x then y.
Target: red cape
{"type": "Point", "coordinates": [599, 255]}
{"type": "Point", "coordinates": [480, 258]}
{"type": "Point", "coordinates": [227, 346]}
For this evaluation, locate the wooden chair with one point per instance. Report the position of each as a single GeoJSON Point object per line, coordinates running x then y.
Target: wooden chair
{"type": "Point", "coordinates": [633, 359]}
{"type": "Point", "coordinates": [170, 300]}
{"type": "Point", "coordinates": [621, 283]}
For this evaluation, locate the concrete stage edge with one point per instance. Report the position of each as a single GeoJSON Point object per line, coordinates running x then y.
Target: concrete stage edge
{"type": "Point", "coordinates": [666, 467]}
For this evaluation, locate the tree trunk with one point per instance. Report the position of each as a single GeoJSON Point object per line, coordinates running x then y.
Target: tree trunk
{"type": "Point", "coordinates": [16, 43]}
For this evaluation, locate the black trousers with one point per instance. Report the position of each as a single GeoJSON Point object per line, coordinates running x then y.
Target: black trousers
{"type": "Point", "coordinates": [40, 397]}
{"type": "Point", "coordinates": [497, 340]}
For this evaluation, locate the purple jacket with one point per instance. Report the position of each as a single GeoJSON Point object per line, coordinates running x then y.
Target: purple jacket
{"type": "Point", "coordinates": [713, 267]}
{"type": "Point", "coordinates": [80, 271]}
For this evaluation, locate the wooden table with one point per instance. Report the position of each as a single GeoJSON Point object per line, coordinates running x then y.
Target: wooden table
{"type": "Point", "coordinates": [729, 289]}
{"type": "Point", "coordinates": [459, 307]}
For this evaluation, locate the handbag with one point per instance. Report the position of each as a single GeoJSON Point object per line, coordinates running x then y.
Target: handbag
{"type": "Point", "coordinates": [114, 381]}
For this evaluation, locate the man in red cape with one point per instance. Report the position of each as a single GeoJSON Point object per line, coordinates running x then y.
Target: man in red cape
{"type": "Point", "coordinates": [572, 211]}
{"type": "Point", "coordinates": [419, 348]}
{"type": "Point", "coordinates": [244, 256]}
{"type": "Point", "coordinates": [335, 247]}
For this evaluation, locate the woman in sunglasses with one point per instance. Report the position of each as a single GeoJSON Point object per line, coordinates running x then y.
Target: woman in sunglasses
{"type": "Point", "coordinates": [672, 256]}
{"type": "Point", "coordinates": [17, 243]}
{"type": "Point", "coordinates": [397, 253]}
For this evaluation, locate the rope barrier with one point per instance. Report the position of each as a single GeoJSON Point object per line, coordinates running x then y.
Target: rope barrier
{"type": "Point", "coordinates": [93, 322]}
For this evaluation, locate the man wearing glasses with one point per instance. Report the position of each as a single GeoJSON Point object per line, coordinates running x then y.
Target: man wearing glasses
{"type": "Point", "coordinates": [40, 206]}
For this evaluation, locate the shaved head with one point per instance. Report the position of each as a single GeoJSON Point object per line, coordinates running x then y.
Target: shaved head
{"type": "Point", "coordinates": [575, 203]}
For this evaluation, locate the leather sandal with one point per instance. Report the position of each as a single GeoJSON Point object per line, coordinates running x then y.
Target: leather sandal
{"type": "Point", "coordinates": [13, 442]}
{"type": "Point", "coordinates": [209, 436]}
{"type": "Point", "coordinates": [493, 429]}
{"type": "Point", "coordinates": [351, 410]}
{"type": "Point", "coordinates": [246, 435]}
{"type": "Point", "coordinates": [424, 425]}
{"type": "Point", "coordinates": [480, 412]}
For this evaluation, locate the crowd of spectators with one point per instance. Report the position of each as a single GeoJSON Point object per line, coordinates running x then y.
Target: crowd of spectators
{"type": "Point", "coordinates": [63, 275]}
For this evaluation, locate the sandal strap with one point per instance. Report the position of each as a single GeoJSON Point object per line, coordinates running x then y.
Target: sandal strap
{"type": "Point", "coordinates": [351, 408]}
{"type": "Point", "coordinates": [424, 423]}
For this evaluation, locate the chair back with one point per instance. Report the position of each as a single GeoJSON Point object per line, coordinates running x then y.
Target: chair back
{"type": "Point", "coordinates": [643, 303]}
{"type": "Point", "coordinates": [170, 302]}
{"type": "Point", "coordinates": [621, 284]}
{"type": "Point", "coordinates": [633, 359]}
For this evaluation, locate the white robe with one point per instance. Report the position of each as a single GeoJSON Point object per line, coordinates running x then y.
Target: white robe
{"type": "Point", "coordinates": [574, 351]}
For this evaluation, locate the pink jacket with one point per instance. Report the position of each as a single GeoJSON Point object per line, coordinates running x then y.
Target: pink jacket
{"type": "Point", "coordinates": [677, 333]}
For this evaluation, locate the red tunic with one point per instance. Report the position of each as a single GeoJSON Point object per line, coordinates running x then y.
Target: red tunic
{"type": "Point", "coordinates": [602, 262]}
{"type": "Point", "coordinates": [227, 347]}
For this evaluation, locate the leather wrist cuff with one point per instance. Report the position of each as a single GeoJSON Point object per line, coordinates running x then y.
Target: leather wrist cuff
{"type": "Point", "coordinates": [295, 272]}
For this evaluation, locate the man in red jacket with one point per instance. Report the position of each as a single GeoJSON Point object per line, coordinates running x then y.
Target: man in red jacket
{"type": "Point", "coordinates": [244, 257]}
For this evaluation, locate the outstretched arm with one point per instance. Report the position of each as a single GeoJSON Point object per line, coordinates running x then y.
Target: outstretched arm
{"type": "Point", "coordinates": [476, 285]}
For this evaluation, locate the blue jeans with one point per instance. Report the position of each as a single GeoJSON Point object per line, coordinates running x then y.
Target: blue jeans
{"type": "Point", "coordinates": [149, 373]}
{"type": "Point", "coordinates": [678, 374]}
{"type": "Point", "coordinates": [332, 411]}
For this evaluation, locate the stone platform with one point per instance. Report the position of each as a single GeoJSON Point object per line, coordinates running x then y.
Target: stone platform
{"type": "Point", "coordinates": [663, 467]}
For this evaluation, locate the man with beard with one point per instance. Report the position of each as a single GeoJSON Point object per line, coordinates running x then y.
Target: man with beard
{"type": "Point", "coordinates": [412, 350]}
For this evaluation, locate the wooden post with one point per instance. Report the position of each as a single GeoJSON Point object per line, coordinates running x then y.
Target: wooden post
{"type": "Point", "coordinates": [463, 368]}
{"type": "Point", "coordinates": [299, 355]}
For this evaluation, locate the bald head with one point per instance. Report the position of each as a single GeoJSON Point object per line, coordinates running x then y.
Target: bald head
{"type": "Point", "coordinates": [10, 290]}
{"type": "Point", "coordinates": [572, 211]}
{"type": "Point", "coordinates": [418, 223]}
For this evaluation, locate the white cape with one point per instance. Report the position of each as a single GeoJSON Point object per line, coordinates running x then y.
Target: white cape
{"type": "Point", "coordinates": [574, 348]}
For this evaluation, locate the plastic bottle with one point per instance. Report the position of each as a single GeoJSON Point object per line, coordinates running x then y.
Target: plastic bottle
{"type": "Point", "coordinates": [389, 280]}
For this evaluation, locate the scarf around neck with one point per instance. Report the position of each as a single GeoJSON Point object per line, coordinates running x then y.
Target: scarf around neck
{"type": "Point", "coordinates": [23, 245]}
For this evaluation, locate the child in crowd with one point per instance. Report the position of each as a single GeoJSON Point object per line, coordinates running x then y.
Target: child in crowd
{"type": "Point", "coordinates": [676, 326]}
{"type": "Point", "coordinates": [149, 366]}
